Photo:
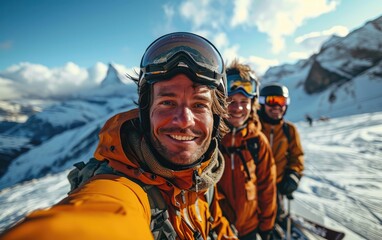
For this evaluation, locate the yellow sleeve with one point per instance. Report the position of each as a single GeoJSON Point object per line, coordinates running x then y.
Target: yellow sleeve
{"type": "Point", "coordinates": [107, 207]}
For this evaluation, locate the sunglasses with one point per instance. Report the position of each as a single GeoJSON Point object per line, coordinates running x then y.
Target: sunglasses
{"type": "Point", "coordinates": [183, 52]}
{"type": "Point", "coordinates": [237, 85]}
{"type": "Point", "coordinates": [274, 100]}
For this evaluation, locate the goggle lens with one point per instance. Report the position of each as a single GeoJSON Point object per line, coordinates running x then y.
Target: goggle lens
{"type": "Point", "coordinates": [185, 50]}
{"type": "Point", "coordinates": [276, 100]}
{"type": "Point", "coordinates": [237, 85]}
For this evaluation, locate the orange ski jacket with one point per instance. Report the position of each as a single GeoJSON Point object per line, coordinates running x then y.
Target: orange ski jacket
{"type": "Point", "coordinates": [248, 202]}
{"type": "Point", "coordinates": [287, 154]}
{"type": "Point", "coordinates": [115, 207]}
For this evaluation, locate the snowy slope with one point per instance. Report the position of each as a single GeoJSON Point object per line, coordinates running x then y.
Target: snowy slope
{"type": "Point", "coordinates": [343, 175]}
{"type": "Point", "coordinates": [341, 187]}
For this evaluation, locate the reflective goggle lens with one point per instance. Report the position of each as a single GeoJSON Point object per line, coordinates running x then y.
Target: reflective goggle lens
{"type": "Point", "coordinates": [276, 100]}
{"type": "Point", "coordinates": [186, 50]}
{"type": "Point", "coordinates": [237, 85]}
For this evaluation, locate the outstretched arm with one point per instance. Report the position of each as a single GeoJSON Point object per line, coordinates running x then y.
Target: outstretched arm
{"type": "Point", "coordinates": [107, 207]}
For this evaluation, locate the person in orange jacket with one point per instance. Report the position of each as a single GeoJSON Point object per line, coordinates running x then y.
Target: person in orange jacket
{"type": "Point", "coordinates": [248, 185]}
{"type": "Point", "coordinates": [164, 153]}
{"type": "Point", "coordinates": [284, 140]}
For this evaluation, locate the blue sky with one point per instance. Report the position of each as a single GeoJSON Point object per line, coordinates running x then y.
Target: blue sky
{"type": "Point", "coordinates": [79, 34]}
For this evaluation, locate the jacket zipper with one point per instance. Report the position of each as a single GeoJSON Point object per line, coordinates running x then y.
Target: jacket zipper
{"type": "Point", "coordinates": [232, 145]}
{"type": "Point", "coordinates": [271, 137]}
{"type": "Point", "coordinates": [233, 161]}
{"type": "Point", "coordinates": [185, 212]}
{"type": "Point", "coordinates": [186, 215]}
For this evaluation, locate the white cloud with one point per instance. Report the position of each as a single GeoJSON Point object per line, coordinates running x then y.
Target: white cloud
{"type": "Point", "coordinates": [29, 79]}
{"type": "Point", "coordinates": [230, 53]}
{"type": "Point", "coordinates": [97, 73]}
{"type": "Point", "coordinates": [7, 89]}
{"type": "Point", "coordinates": [240, 12]}
{"type": "Point", "coordinates": [279, 19]}
{"type": "Point", "coordinates": [336, 30]}
{"type": "Point", "coordinates": [261, 65]}
{"type": "Point", "coordinates": [166, 25]}
{"type": "Point", "coordinates": [220, 40]}
{"type": "Point", "coordinates": [312, 42]}
{"type": "Point", "coordinates": [169, 11]}
{"type": "Point", "coordinates": [299, 55]}
{"type": "Point", "coordinates": [258, 64]}
{"type": "Point", "coordinates": [203, 13]}
{"type": "Point", "coordinates": [123, 70]}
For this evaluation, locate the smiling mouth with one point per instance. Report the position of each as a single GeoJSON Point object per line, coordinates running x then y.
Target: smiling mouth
{"type": "Point", "coordinates": [182, 138]}
{"type": "Point", "coordinates": [236, 115]}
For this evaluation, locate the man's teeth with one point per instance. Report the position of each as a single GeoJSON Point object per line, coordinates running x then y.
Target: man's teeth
{"type": "Point", "coordinates": [182, 138]}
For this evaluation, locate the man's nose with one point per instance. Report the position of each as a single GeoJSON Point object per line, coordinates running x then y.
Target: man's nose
{"type": "Point", "coordinates": [184, 117]}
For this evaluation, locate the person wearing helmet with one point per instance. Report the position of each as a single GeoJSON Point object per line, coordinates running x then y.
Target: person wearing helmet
{"type": "Point", "coordinates": [155, 169]}
{"type": "Point", "coordinates": [248, 186]}
{"type": "Point", "coordinates": [284, 140]}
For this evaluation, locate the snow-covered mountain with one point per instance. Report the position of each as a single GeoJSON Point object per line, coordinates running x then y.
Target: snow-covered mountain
{"type": "Point", "coordinates": [68, 126]}
{"type": "Point", "coordinates": [113, 77]}
{"type": "Point", "coordinates": [344, 78]}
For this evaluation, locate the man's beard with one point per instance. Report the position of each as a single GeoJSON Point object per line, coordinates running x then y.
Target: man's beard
{"type": "Point", "coordinates": [177, 157]}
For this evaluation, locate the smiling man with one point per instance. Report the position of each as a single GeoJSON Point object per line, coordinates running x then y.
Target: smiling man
{"type": "Point", "coordinates": [284, 140]}
{"type": "Point", "coordinates": [248, 185]}
{"type": "Point", "coordinates": [155, 169]}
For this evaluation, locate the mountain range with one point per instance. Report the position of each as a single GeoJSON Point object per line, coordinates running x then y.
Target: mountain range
{"type": "Point", "coordinates": [343, 78]}
{"type": "Point", "coordinates": [46, 136]}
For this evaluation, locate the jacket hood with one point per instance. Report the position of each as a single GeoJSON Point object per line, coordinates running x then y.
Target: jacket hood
{"type": "Point", "coordinates": [123, 145]}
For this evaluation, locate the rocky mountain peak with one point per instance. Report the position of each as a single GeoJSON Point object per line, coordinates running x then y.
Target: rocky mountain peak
{"type": "Point", "coordinates": [342, 59]}
{"type": "Point", "coordinates": [112, 77]}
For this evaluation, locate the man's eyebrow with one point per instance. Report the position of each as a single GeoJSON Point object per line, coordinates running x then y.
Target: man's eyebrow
{"type": "Point", "coordinates": [166, 94]}
{"type": "Point", "coordinates": [203, 97]}
{"type": "Point", "coordinates": [165, 91]}
{"type": "Point", "coordinates": [202, 94]}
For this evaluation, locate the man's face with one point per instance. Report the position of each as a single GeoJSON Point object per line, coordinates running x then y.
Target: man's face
{"type": "Point", "coordinates": [181, 119]}
{"type": "Point", "coordinates": [238, 109]}
{"type": "Point", "coordinates": [275, 112]}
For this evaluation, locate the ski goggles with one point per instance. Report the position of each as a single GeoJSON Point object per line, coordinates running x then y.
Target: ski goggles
{"type": "Point", "coordinates": [238, 85]}
{"type": "Point", "coordinates": [274, 100]}
{"type": "Point", "coordinates": [183, 52]}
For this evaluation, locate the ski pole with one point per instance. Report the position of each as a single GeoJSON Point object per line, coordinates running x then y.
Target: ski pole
{"type": "Point", "coordinates": [289, 220]}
